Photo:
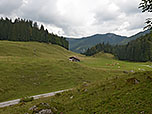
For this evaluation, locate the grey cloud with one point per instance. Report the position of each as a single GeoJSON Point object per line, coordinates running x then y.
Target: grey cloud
{"type": "Point", "coordinates": [9, 6]}
{"type": "Point", "coordinates": [137, 21]}
{"type": "Point", "coordinates": [102, 17]}
{"type": "Point", "coordinates": [79, 18]}
{"type": "Point", "coordinates": [128, 6]}
{"type": "Point", "coordinates": [44, 11]}
{"type": "Point", "coordinates": [47, 11]}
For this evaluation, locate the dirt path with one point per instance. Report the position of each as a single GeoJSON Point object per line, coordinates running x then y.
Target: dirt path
{"type": "Point", "coordinates": [13, 102]}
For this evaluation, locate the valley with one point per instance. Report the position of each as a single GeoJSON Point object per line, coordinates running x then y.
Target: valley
{"type": "Point", "coordinates": [75, 57]}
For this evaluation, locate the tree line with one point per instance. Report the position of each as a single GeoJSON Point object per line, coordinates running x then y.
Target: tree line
{"type": "Point", "coordinates": [137, 50]}
{"type": "Point", "coordinates": [27, 30]}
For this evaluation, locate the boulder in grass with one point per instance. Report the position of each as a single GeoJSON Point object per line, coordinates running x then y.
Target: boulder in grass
{"type": "Point", "coordinates": [126, 72]}
{"type": "Point", "coordinates": [33, 108]}
{"type": "Point", "coordinates": [43, 108]}
{"type": "Point", "coordinates": [133, 81]}
{"type": "Point", "coordinates": [45, 111]}
{"type": "Point", "coordinates": [132, 71]}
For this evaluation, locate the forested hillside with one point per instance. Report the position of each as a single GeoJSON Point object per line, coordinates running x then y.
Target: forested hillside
{"type": "Point", "coordinates": [134, 37]}
{"type": "Point", "coordinates": [107, 48]}
{"type": "Point", "coordinates": [26, 30]}
{"type": "Point", "coordinates": [137, 50]}
{"type": "Point", "coordinates": [80, 45]}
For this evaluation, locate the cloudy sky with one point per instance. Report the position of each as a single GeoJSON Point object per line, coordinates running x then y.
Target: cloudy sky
{"type": "Point", "coordinates": [78, 18]}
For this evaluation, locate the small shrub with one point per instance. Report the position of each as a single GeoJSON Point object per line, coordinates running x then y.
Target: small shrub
{"type": "Point", "coordinates": [58, 94]}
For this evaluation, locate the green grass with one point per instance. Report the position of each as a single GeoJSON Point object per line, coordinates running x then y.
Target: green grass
{"type": "Point", "coordinates": [112, 96]}
{"type": "Point", "coordinates": [31, 68]}
{"type": "Point", "coordinates": [107, 61]}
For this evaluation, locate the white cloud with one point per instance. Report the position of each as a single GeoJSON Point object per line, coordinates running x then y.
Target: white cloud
{"type": "Point", "coordinates": [79, 17]}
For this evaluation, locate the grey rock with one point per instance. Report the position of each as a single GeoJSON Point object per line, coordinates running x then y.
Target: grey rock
{"type": "Point", "coordinates": [133, 81]}
{"type": "Point", "coordinates": [45, 111]}
{"type": "Point", "coordinates": [132, 71]}
{"type": "Point", "coordinates": [53, 108]}
{"type": "Point", "coordinates": [136, 81]}
{"type": "Point", "coordinates": [45, 104]}
{"type": "Point", "coordinates": [33, 107]}
{"type": "Point", "coordinates": [71, 97]}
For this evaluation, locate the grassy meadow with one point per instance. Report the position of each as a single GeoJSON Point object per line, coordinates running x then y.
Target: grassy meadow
{"type": "Point", "coordinates": [31, 68]}
{"type": "Point", "coordinates": [112, 96]}
{"type": "Point", "coordinates": [108, 62]}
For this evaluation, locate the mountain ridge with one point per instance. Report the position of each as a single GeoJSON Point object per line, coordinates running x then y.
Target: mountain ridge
{"type": "Point", "coordinates": [80, 45]}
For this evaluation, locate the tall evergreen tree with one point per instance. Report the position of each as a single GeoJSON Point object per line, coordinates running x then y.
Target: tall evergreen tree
{"type": "Point", "coordinates": [26, 30]}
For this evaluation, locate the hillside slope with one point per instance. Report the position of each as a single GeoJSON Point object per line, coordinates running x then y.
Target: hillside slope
{"type": "Point", "coordinates": [82, 44]}
{"type": "Point", "coordinates": [139, 50]}
{"type": "Point", "coordinates": [31, 68]}
{"type": "Point", "coordinates": [136, 50]}
{"type": "Point", "coordinates": [134, 37]}
{"type": "Point", "coordinates": [119, 95]}
{"type": "Point", "coordinates": [32, 49]}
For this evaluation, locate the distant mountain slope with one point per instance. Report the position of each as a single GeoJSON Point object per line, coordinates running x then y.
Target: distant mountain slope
{"type": "Point", "coordinates": [136, 50]}
{"type": "Point", "coordinates": [134, 37]}
{"type": "Point", "coordinates": [82, 44]}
